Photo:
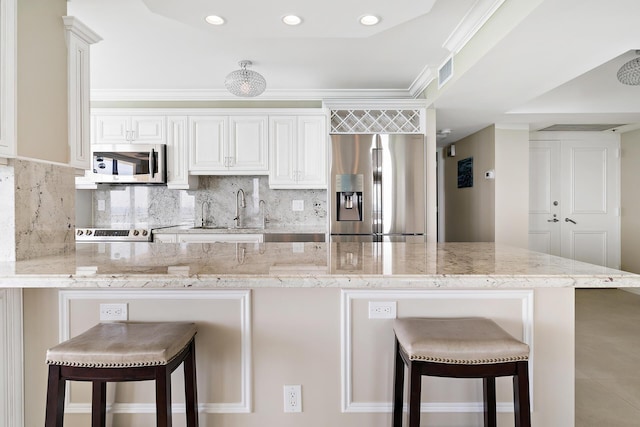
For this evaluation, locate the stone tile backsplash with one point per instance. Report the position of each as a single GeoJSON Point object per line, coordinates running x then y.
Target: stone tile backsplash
{"type": "Point", "coordinates": [215, 198]}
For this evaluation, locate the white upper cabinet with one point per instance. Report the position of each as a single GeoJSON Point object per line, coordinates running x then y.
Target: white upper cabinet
{"type": "Point", "coordinates": [79, 37]}
{"type": "Point", "coordinates": [177, 160]}
{"type": "Point", "coordinates": [116, 129]}
{"type": "Point", "coordinates": [298, 147]}
{"type": "Point", "coordinates": [207, 141]}
{"type": "Point", "coordinates": [228, 145]}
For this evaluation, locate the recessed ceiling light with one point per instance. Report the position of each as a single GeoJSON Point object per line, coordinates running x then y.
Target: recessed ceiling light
{"type": "Point", "coordinates": [369, 20]}
{"type": "Point", "coordinates": [292, 20]}
{"type": "Point", "coordinates": [215, 20]}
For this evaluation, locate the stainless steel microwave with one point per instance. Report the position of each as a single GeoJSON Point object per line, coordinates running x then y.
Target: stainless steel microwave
{"type": "Point", "coordinates": [129, 163]}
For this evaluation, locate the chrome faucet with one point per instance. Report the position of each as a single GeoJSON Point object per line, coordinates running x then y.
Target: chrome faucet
{"type": "Point", "coordinates": [241, 204]}
{"type": "Point", "coordinates": [263, 208]}
{"type": "Point", "coordinates": [205, 222]}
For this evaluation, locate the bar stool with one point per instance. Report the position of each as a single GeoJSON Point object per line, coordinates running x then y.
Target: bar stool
{"type": "Point", "coordinates": [471, 347]}
{"type": "Point", "coordinates": [116, 352]}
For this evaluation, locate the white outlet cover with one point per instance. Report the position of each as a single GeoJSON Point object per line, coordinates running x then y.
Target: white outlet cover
{"type": "Point", "coordinates": [297, 205]}
{"type": "Point", "coordinates": [382, 309]}
{"type": "Point", "coordinates": [292, 398]}
{"type": "Point", "coordinates": [101, 205]}
{"type": "Point", "coordinates": [113, 312]}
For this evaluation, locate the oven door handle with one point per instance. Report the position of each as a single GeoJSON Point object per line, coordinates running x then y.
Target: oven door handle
{"type": "Point", "coordinates": [152, 163]}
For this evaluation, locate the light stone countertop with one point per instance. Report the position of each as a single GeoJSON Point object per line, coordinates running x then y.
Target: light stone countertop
{"type": "Point", "coordinates": [191, 229]}
{"type": "Point", "coordinates": [336, 265]}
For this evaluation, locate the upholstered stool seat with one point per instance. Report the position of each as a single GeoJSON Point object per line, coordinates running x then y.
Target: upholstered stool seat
{"type": "Point", "coordinates": [115, 352]}
{"type": "Point", "coordinates": [471, 347]}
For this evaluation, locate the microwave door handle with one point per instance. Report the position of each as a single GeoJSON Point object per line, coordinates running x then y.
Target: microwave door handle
{"type": "Point", "coordinates": [152, 163]}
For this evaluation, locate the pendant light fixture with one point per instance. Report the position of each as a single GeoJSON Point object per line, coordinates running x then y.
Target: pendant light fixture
{"type": "Point", "coordinates": [245, 83]}
{"type": "Point", "coordinates": [629, 73]}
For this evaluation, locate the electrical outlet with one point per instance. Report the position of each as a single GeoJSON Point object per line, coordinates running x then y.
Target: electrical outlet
{"type": "Point", "coordinates": [297, 205]}
{"type": "Point", "coordinates": [113, 312]}
{"type": "Point", "coordinates": [101, 205]}
{"type": "Point", "coordinates": [292, 398]}
{"type": "Point", "coordinates": [382, 309]}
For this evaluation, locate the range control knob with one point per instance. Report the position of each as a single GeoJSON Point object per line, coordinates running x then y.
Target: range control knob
{"type": "Point", "coordinates": [89, 232]}
{"type": "Point", "coordinates": [79, 232]}
{"type": "Point", "coordinates": [145, 232]}
{"type": "Point", "coordinates": [136, 232]}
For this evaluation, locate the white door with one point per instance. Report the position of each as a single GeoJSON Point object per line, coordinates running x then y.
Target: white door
{"type": "Point", "coordinates": [544, 197]}
{"type": "Point", "coordinates": [148, 129]}
{"type": "Point", "coordinates": [282, 153]}
{"type": "Point", "coordinates": [112, 129]}
{"type": "Point", "coordinates": [575, 180]}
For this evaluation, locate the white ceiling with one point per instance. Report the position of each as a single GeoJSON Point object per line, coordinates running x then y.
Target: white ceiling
{"type": "Point", "coordinates": [557, 65]}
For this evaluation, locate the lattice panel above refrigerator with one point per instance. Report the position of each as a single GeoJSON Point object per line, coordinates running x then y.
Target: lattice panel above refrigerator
{"type": "Point", "coordinates": [375, 121]}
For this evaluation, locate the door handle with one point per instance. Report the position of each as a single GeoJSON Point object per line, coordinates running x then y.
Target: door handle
{"type": "Point", "coordinates": [553, 220]}
{"type": "Point", "coordinates": [569, 220]}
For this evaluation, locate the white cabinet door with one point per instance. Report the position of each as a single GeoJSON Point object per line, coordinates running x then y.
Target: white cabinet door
{"type": "Point", "coordinates": [165, 238]}
{"type": "Point", "coordinates": [298, 154]}
{"type": "Point", "coordinates": [248, 145]}
{"type": "Point", "coordinates": [123, 129]}
{"type": "Point", "coordinates": [220, 238]}
{"type": "Point", "coordinates": [112, 129]}
{"type": "Point", "coordinates": [312, 152]}
{"type": "Point", "coordinates": [177, 156]}
{"type": "Point", "coordinates": [148, 129]}
{"type": "Point", "coordinates": [282, 152]}
{"type": "Point", "coordinates": [208, 144]}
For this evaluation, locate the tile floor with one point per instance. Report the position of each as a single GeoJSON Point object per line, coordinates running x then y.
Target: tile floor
{"type": "Point", "coordinates": [607, 358]}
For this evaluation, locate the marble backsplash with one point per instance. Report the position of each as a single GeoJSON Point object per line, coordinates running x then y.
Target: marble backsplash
{"type": "Point", "coordinates": [38, 209]}
{"type": "Point", "coordinates": [215, 200]}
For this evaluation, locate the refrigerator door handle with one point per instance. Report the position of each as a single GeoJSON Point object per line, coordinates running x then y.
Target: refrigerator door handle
{"type": "Point", "coordinates": [376, 167]}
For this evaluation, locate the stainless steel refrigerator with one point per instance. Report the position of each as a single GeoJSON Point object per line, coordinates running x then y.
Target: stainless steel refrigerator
{"type": "Point", "coordinates": [377, 187]}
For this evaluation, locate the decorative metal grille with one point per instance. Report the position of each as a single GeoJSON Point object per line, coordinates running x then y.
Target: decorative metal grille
{"type": "Point", "coordinates": [374, 121]}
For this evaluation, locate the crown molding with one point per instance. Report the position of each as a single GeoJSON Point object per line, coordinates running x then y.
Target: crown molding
{"type": "Point", "coordinates": [421, 82]}
{"type": "Point", "coordinates": [77, 27]}
{"type": "Point", "coordinates": [477, 16]}
{"type": "Point", "coordinates": [221, 94]}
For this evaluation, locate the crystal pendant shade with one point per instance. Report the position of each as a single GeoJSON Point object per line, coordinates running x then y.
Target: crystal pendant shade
{"type": "Point", "coordinates": [245, 83]}
{"type": "Point", "coordinates": [629, 73]}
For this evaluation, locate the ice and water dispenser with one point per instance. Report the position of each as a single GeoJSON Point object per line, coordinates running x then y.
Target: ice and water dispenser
{"type": "Point", "coordinates": [349, 197]}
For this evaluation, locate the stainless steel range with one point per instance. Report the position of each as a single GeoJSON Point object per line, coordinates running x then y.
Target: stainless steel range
{"type": "Point", "coordinates": [113, 235]}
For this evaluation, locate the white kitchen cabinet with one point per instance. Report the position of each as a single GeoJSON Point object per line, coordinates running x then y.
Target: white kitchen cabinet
{"type": "Point", "coordinates": [79, 37]}
{"type": "Point", "coordinates": [178, 177]}
{"type": "Point", "coordinates": [298, 152]}
{"type": "Point", "coordinates": [228, 145]}
{"type": "Point", "coordinates": [123, 129]}
{"type": "Point", "coordinates": [219, 238]}
{"type": "Point", "coordinates": [165, 238]}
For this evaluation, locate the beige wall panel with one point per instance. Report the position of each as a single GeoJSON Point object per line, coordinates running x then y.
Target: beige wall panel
{"type": "Point", "coordinates": [42, 81]}
{"type": "Point", "coordinates": [471, 211]}
{"type": "Point", "coordinates": [512, 187]}
{"type": "Point", "coordinates": [629, 183]}
{"type": "Point", "coordinates": [296, 339]}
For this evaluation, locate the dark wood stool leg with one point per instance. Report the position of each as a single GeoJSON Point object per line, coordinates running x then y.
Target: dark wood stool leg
{"type": "Point", "coordinates": [190, 385]}
{"type": "Point", "coordinates": [415, 389]}
{"type": "Point", "coordinates": [521, 395]}
{"type": "Point", "coordinates": [489, 394]}
{"type": "Point", "coordinates": [398, 388]}
{"type": "Point", "coordinates": [55, 398]}
{"type": "Point", "coordinates": [163, 396]}
{"type": "Point", "coordinates": [99, 404]}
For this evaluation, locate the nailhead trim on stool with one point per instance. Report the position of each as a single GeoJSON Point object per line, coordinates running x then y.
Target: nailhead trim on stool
{"type": "Point", "coordinates": [117, 352]}
{"type": "Point", "coordinates": [471, 347]}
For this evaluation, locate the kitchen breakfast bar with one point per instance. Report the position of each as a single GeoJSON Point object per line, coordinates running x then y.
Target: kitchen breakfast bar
{"type": "Point", "coordinates": [318, 315]}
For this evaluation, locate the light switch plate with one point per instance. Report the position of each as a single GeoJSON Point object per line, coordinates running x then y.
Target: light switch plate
{"type": "Point", "coordinates": [297, 205]}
